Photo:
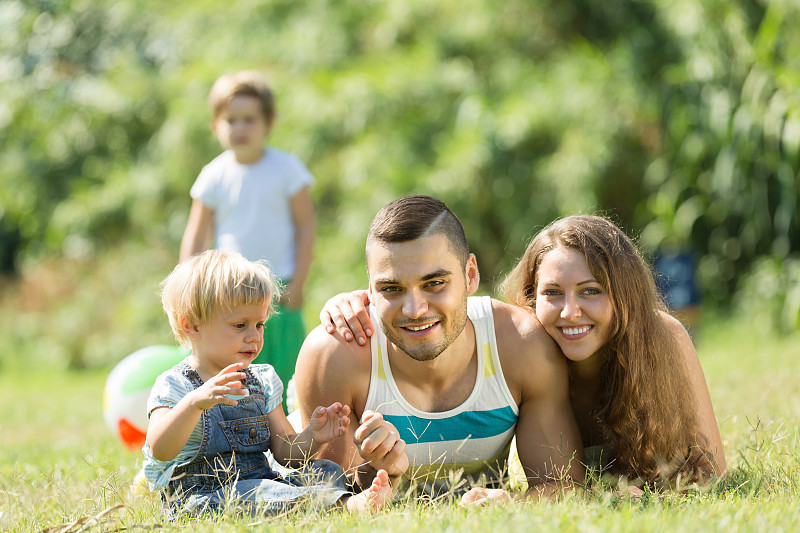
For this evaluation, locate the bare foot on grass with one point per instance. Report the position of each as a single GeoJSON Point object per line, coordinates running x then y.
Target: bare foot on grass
{"type": "Point", "coordinates": [373, 498]}
{"type": "Point", "coordinates": [478, 496]}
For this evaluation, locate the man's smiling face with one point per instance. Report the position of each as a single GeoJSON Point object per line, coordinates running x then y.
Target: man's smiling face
{"type": "Point", "coordinates": [419, 289]}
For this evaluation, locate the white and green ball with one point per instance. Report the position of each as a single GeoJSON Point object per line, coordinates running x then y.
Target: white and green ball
{"type": "Point", "coordinates": [128, 387]}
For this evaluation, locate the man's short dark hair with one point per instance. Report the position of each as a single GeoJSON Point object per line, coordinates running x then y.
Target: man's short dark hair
{"type": "Point", "coordinates": [413, 217]}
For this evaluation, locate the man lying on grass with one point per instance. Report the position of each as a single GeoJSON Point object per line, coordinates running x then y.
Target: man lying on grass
{"type": "Point", "coordinates": [448, 379]}
{"type": "Point", "coordinates": [636, 384]}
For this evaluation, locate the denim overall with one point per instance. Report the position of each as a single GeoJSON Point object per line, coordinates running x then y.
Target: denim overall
{"type": "Point", "coordinates": [231, 470]}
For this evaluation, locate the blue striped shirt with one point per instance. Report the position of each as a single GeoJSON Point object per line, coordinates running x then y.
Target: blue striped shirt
{"type": "Point", "coordinates": [474, 438]}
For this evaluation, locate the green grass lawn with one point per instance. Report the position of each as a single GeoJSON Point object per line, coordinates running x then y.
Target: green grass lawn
{"type": "Point", "coordinates": [60, 467]}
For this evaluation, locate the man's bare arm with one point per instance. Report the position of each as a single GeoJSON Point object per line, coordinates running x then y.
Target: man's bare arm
{"type": "Point", "coordinates": [324, 375]}
{"type": "Point", "coordinates": [330, 369]}
{"type": "Point", "coordinates": [548, 439]}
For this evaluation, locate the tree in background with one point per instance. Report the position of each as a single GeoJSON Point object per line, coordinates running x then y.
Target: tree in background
{"type": "Point", "coordinates": [678, 118]}
{"type": "Point", "coordinates": [726, 180]}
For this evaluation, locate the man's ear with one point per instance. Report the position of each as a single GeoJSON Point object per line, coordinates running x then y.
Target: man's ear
{"type": "Point", "coordinates": [369, 278]}
{"type": "Point", "coordinates": [472, 274]}
{"type": "Point", "coordinates": [190, 330]}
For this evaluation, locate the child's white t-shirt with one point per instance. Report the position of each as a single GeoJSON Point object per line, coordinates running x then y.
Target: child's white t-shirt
{"type": "Point", "coordinates": [169, 388]}
{"type": "Point", "coordinates": [251, 203]}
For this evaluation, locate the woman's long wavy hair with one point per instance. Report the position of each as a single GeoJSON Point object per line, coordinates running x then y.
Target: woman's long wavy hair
{"type": "Point", "coordinates": [646, 410]}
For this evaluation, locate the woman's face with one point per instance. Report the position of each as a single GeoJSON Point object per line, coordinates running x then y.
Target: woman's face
{"type": "Point", "coordinates": [571, 304]}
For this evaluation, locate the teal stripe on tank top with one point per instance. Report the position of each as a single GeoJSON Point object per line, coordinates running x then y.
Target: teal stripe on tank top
{"type": "Point", "coordinates": [472, 424]}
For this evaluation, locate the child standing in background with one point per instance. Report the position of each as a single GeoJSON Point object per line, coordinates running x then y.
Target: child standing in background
{"type": "Point", "coordinates": [213, 415]}
{"type": "Point", "coordinates": [256, 201]}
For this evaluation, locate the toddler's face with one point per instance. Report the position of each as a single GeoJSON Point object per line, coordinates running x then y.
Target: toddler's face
{"type": "Point", "coordinates": [235, 336]}
{"type": "Point", "coordinates": [243, 128]}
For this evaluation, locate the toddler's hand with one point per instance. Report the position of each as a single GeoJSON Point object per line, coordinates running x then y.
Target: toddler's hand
{"type": "Point", "coordinates": [329, 423]}
{"type": "Point", "coordinates": [214, 391]}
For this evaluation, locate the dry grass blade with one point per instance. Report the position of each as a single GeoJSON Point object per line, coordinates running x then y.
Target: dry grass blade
{"type": "Point", "coordinates": [96, 519]}
{"type": "Point", "coordinates": [84, 523]}
{"type": "Point", "coordinates": [65, 528]}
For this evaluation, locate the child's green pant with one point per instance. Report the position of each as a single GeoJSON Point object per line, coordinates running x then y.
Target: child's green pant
{"type": "Point", "coordinates": [283, 336]}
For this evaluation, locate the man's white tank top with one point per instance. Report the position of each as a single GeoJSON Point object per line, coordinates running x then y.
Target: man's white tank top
{"type": "Point", "coordinates": [474, 437]}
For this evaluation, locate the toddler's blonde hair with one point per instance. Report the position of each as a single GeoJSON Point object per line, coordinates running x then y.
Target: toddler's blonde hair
{"type": "Point", "coordinates": [212, 282]}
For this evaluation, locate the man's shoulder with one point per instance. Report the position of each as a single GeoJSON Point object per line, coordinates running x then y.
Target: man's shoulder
{"type": "Point", "coordinates": [330, 369]}
{"type": "Point", "coordinates": [517, 325]}
{"type": "Point", "coordinates": [331, 354]}
{"type": "Point", "coordinates": [524, 347]}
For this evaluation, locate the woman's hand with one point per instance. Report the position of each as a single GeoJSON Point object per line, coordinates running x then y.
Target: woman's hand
{"type": "Point", "coordinates": [346, 313]}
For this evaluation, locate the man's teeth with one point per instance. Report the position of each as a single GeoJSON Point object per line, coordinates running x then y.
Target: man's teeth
{"type": "Point", "coordinates": [576, 331]}
{"type": "Point", "coordinates": [419, 328]}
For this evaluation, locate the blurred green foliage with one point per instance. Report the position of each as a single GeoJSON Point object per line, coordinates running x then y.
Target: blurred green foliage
{"type": "Point", "coordinates": [678, 118]}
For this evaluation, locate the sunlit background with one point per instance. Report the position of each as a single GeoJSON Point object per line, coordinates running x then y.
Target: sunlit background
{"type": "Point", "coordinates": [680, 119]}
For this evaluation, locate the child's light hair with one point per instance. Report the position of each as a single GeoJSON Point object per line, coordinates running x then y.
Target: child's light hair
{"type": "Point", "coordinates": [212, 282]}
{"type": "Point", "coordinates": [243, 83]}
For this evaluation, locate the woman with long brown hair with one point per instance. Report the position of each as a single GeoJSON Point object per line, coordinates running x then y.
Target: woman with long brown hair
{"type": "Point", "coordinates": [636, 384]}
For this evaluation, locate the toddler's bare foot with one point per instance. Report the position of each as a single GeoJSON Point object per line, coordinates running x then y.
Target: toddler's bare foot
{"type": "Point", "coordinates": [373, 498]}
